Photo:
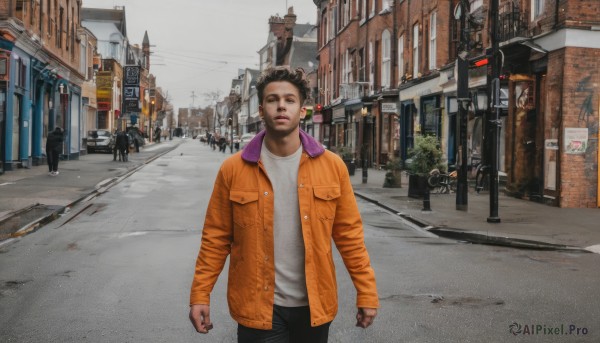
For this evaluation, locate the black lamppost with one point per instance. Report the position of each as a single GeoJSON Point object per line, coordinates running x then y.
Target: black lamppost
{"type": "Point", "coordinates": [463, 99]}
{"type": "Point", "coordinates": [495, 115]}
{"type": "Point", "coordinates": [365, 148]}
{"type": "Point", "coordinates": [151, 132]}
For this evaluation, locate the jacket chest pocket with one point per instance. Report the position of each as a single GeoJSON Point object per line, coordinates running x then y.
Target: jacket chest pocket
{"type": "Point", "coordinates": [325, 198]}
{"type": "Point", "coordinates": [245, 207]}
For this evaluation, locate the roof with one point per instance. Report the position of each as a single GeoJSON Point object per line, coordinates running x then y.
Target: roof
{"type": "Point", "coordinates": [115, 16]}
{"type": "Point", "coordinates": [305, 30]}
{"type": "Point", "coordinates": [303, 54]}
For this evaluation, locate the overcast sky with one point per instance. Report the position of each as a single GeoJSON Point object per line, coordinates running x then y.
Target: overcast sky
{"type": "Point", "coordinates": [199, 45]}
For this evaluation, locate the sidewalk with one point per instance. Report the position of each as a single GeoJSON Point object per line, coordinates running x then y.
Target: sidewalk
{"type": "Point", "coordinates": [30, 197]}
{"type": "Point", "coordinates": [523, 223]}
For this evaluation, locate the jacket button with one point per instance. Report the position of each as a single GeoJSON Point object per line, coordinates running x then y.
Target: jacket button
{"type": "Point", "coordinates": [305, 217]}
{"type": "Point", "coordinates": [301, 185]}
{"type": "Point", "coordinates": [266, 288]}
{"type": "Point", "coordinates": [266, 258]}
{"type": "Point", "coordinates": [266, 193]}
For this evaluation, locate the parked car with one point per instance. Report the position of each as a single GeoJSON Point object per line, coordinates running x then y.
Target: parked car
{"type": "Point", "coordinates": [100, 140]}
{"type": "Point", "coordinates": [245, 139]}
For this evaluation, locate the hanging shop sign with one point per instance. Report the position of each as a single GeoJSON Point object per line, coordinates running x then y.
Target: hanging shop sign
{"type": "Point", "coordinates": [131, 88]}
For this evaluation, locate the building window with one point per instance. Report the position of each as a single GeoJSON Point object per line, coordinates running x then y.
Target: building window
{"type": "Point", "coordinates": [415, 50]}
{"type": "Point", "coordinates": [401, 57]}
{"type": "Point", "coordinates": [362, 76]}
{"type": "Point", "coordinates": [347, 77]}
{"type": "Point", "coordinates": [59, 31]}
{"type": "Point", "coordinates": [386, 60]}
{"type": "Point", "coordinates": [363, 10]}
{"type": "Point", "coordinates": [371, 65]}
{"type": "Point", "coordinates": [3, 66]}
{"type": "Point", "coordinates": [432, 41]}
{"type": "Point", "coordinates": [49, 17]}
{"type": "Point", "coordinates": [346, 13]}
{"type": "Point", "coordinates": [331, 25]}
{"type": "Point", "coordinates": [538, 8]}
{"type": "Point", "coordinates": [372, 12]}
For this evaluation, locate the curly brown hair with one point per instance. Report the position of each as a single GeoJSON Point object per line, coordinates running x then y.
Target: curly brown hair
{"type": "Point", "coordinates": [296, 77]}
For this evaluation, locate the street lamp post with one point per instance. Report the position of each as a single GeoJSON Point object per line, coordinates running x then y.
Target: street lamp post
{"type": "Point", "coordinates": [495, 121]}
{"type": "Point", "coordinates": [365, 171]}
{"type": "Point", "coordinates": [150, 110]}
{"type": "Point", "coordinates": [462, 97]}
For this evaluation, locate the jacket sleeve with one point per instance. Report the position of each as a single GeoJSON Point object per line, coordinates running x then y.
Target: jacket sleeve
{"type": "Point", "coordinates": [349, 239]}
{"type": "Point", "coordinates": [216, 242]}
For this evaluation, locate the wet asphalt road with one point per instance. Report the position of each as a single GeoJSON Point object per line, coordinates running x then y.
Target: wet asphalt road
{"type": "Point", "coordinates": [118, 268]}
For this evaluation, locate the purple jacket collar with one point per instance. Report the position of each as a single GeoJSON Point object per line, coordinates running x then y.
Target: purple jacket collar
{"type": "Point", "coordinates": [251, 152]}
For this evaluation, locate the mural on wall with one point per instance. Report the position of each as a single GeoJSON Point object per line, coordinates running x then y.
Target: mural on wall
{"type": "Point", "coordinates": [586, 110]}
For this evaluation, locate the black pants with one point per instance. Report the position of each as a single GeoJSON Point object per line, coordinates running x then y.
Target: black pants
{"type": "Point", "coordinates": [52, 157]}
{"type": "Point", "coordinates": [290, 325]}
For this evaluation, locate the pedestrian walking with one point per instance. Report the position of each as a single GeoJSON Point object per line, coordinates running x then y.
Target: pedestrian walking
{"type": "Point", "coordinates": [275, 209]}
{"type": "Point", "coordinates": [222, 143]}
{"type": "Point", "coordinates": [122, 145]}
{"type": "Point", "coordinates": [54, 146]}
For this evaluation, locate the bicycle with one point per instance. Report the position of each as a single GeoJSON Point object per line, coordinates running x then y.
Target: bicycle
{"type": "Point", "coordinates": [482, 178]}
{"type": "Point", "coordinates": [442, 183]}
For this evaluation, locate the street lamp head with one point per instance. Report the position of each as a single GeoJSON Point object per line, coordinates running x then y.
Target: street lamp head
{"type": "Point", "coordinates": [364, 111]}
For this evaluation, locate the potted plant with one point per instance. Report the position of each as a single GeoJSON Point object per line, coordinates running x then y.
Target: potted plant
{"type": "Point", "coordinates": [393, 176]}
{"type": "Point", "coordinates": [348, 157]}
{"type": "Point", "coordinates": [424, 156]}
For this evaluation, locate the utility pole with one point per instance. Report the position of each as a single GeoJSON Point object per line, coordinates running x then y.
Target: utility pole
{"type": "Point", "coordinates": [463, 99]}
{"type": "Point", "coordinates": [193, 96]}
{"type": "Point", "coordinates": [495, 111]}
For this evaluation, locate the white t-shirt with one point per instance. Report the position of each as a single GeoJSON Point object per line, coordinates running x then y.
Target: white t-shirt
{"type": "Point", "coordinates": [290, 278]}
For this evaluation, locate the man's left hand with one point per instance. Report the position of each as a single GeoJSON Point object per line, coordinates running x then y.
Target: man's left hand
{"type": "Point", "coordinates": [365, 317]}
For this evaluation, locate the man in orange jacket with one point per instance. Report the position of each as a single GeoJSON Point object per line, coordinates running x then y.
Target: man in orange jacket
{"type": "Point", "coordinates": [274, 209]}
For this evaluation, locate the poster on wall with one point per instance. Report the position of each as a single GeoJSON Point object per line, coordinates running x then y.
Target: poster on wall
{"type": "Point", "coordinates": [576, 140]}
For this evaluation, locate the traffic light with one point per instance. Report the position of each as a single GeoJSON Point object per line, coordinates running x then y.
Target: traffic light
{"type": "Point", "coordinates": [319, 107]}
{"type": "Point", "coordinates": [479, 62]}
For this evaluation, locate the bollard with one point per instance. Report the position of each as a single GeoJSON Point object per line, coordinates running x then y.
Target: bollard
{"type": "Point", "coordinates": [426, 202]}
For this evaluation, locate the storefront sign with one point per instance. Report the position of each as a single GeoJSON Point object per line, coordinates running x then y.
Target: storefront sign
{"type": "Point", "coordinates": [131, 88]}
{"type": "Point", "coordinates": [389, 107]}
{"type": "Point", "coordinates": [339, 114]}
{"type": "Point", "coordinates": [576, 140]}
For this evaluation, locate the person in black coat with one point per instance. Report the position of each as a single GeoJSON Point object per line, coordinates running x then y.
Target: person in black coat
{"type": "Point", "coordinates": [54, 143]}
{"type": "Point", "coordinates": [122, 145]}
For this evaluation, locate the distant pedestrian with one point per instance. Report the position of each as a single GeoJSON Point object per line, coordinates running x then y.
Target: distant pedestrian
{"type": "Point", "coordinates": [222, 144]}
{"type": "Point", "coordinates": [122, 144]}
{"type": "Point", "coordinates": [212, 141]}
{"type": "Point", "coordinates": [157, 134]}
{"type": "Point", "coordinates": [54, 146]}
{"type": "Point", "coordinates": [136, 143]}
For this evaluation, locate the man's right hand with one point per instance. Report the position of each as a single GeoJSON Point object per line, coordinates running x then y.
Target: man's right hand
{"type": "Point", "coordinates": [200, 318]}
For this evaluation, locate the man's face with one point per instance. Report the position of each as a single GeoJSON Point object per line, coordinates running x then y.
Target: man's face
{"type": "Point", "coordinates": [281, 108]}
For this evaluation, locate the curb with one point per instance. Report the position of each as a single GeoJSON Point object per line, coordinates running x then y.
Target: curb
{"type": "Point", "coordinates": [474, 237]}
{"type": "Point", "coordinates": [99, 189]}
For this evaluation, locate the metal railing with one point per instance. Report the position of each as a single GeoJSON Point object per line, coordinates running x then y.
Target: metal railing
{"type": "Point", "coordinates": [512, 22]}
{"type": "Point", "coordinates": [355, 90]}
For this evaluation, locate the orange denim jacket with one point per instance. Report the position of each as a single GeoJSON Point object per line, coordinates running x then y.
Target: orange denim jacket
{"type": "Point", "coordinates": [239, 223]}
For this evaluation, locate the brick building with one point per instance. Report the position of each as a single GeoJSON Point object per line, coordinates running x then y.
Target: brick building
{"type": "Point", "coordinates": [387, 73]}
{"type": "Point", "coordinates": [40, 79]}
